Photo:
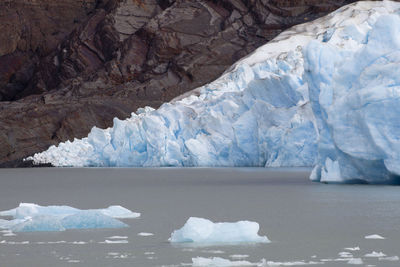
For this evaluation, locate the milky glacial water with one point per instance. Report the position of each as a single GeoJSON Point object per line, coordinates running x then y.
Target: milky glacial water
{"type": "Point", "coordinates": [304, 220]}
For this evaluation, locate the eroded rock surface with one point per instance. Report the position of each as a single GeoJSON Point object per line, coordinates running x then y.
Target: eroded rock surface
{"type": "Point", "coordinates": [65, 67]}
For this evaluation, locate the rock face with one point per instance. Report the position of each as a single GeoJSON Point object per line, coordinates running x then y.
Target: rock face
{"type": "Point", "coordinates": [65, 67]}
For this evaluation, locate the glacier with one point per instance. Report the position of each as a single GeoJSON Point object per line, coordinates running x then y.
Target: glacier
{"type": "Point", "coordinates": [202, 231]}
{"type": "Point", "coordinates": [29, 217]}
{"type": "Point", "coordinates": [324, 94]}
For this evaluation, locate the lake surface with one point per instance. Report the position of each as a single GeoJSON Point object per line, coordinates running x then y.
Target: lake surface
{"type": "Point", "coordinates": [304, 220]}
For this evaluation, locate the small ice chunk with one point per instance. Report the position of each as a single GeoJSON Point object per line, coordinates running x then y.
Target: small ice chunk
{"type": "Point", "coordinates": [149, 253]}
{"type": "Point", "coordinates": [219, 262]}
{"type": "Point", "coordinates": [375, 236]}
{"type": "Point", "coordinates": [392, 258]}
{"type": "Point", "coordinates": [375, 254]}
{"type": "Point", "coordinates": [145, 234]}
{"type": "Point", "coordinates": [353, 249]}
{"type": "Point", "coordinates": [77, 243]}
{"type": "Point", "coordinates": [355, 261]}
{"type": "Point", "coordinates": [290, 263]}
{"type": "Point", "coordinates": [114, 242]}
{"type": "Point", "coordinates": [74, 261]}
{"type": "Point", "coordinates": [113, 253]}
{"type": "Point", "coordinates": [117, 237]}
{"type": "Point", "coordinates": [57, 242]}
{"type": "Point", "coordinates": [345, 254]}
{"type": "Point", "coordinates": [213, 251]}
{"type": "Point", "coordinates": [199, 230]}
{"type": "Point", "coordinates": [8, 233]}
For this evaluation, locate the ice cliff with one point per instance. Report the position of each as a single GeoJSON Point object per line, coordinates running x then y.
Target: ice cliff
{"type": "Point", "coordinates": [323, 94]}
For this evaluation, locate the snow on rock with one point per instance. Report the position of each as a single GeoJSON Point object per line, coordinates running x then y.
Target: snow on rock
{"type": "Point", "coordinates": [323, 94]}
{"type": "Point", "coordinates": [30, 217]}
{"type": "Point", "coordinates": [203, 231]}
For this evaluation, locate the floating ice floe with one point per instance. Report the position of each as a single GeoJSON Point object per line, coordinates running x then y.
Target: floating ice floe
{"type": "Point", "coordinates": [145, 234]}
{"type": "Point", "coordinates": [392, 258]}
{"type": "Point", "coordinates": [120, 241]}
{"type": "Point", "coordinates": [213, 251]}
{"type": "Point", "coordinates": [323, 94]}
{"type": "Point", "coordinates": [375, 236]}
{"type": "Point", "coordinates": [353, 248]}
{"type": "Point", "coordinates": [220, 262]}
{"type": "Point", "coordinates": [355, 261]}
{"type": "Point", "coordinates": [203, 231]}
{"type": "Point", "coordinates": [345, 255]}
{"type": "Point", "coordinates": [288, 263]}
{"type": "Point", "coordinates": [30, 217]}
{"type": "Point", "coordinates": [375, 254]}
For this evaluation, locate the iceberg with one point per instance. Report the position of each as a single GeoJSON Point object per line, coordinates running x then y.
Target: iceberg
{"type": "Point", "coordinates": [324, 94]}
{"type": "Point", "coordinates": [29, 217]}
{"type": "Point", "coordinates": [203, 231]}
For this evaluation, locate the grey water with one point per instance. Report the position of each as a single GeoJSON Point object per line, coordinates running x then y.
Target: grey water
{"type": "Point", "coordinates": [304, 220]}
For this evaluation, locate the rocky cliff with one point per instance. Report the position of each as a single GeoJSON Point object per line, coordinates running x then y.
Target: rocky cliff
{"type": "Point", "coordinates": [66, 66]}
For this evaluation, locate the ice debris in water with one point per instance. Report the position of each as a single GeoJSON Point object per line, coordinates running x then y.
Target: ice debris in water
{"type": "Point", "coordinates": [220, 262]}
{"type": "Point", "coordinates": [353, 248]}
{"type": "Point", "coordinates": [30, 217]}
{"type": "Point", "coordinates": [145, 234]}
{"type": "Point", "coordinates": [375, 254]}
{"type": "Point", "coordinates": [323, 94]}
{"type": "Point", "coordinates": [392, 258]}
{"type": "Point", "coordinates": [355, 261]}
{"type": "Point", "coordinates": [203, 231]}
{"type": "Point", "coordinates": [375, 236]}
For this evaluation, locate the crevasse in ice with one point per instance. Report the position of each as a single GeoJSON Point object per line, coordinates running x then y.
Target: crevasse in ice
{"type": "Point", "coordinates": [322, 94]}
{"type": "Point", "coordinates": [29, 217]}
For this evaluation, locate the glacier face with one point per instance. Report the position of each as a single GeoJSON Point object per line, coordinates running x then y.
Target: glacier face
{"type": "Point", "coordinates": [321, 94]}
{"type": "Point", "coordinates": [253, 116]}
{"type": "Point", "coordinates": [355, 95]}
